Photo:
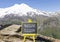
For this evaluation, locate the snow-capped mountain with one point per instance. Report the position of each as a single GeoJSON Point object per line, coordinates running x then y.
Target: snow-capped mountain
{"type": "Point", "coordinates": [21, 9]}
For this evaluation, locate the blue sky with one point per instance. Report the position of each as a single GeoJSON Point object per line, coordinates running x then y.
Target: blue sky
{"type": "Point", "coordinates": [45, 5]}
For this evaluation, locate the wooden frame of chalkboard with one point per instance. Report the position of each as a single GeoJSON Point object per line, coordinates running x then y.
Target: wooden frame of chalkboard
{"type": "Point", "coordinates": [29, 28]}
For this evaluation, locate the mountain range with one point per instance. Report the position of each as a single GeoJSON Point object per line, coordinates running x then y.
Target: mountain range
{"type": "Point", "coordinates": [22, 12]}
{"type": "Point", "coordinates": [23, 9]}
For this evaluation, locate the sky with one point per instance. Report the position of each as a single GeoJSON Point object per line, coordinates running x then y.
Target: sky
{"type": "Point", "coordinates": [45, 5]}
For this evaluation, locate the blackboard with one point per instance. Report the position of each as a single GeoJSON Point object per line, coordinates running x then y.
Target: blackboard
{"type": "Point", "coordinates": [29, 28]}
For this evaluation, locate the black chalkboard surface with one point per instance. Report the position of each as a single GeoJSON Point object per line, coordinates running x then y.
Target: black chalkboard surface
{"type": "Point", "coordinates": [29, 28]}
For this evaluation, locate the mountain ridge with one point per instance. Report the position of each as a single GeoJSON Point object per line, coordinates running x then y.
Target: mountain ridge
{"type": "Point", "coordinates": [21, 9]}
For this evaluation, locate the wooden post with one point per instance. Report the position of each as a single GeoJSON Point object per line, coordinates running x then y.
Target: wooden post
{"type": "Point", "coordinates": [34, 38]}
{"type": "Point", "coordinates": [31, 35]}
{"type": "Point", "coordinates": [24, 39]}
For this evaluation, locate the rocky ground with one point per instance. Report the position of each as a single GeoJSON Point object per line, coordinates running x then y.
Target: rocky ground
{"type": "Point", "coordinates": [9, 34]}
{"type": "Point", "coordinates": [5, 38]}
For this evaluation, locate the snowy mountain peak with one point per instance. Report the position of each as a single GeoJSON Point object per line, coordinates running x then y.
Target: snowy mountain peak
{"type": "Point", "coordinates": [21, 9]}
{"type": "Point", "coordinates": [22, 6]}
{"type": "Point", "coordinates": [25, 5]}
